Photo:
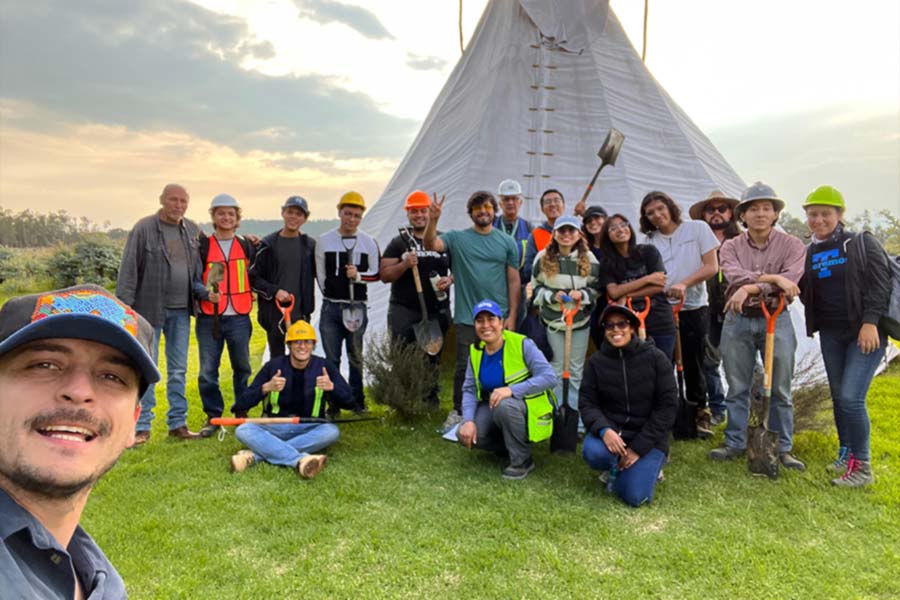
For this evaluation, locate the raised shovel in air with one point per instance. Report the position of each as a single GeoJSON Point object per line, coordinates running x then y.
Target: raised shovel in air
{"type": "Point", "coordinates": [608, 153]}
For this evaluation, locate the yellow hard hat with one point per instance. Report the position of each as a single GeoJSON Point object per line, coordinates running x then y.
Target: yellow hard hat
{"type": "Point", "coordinates": [352, 199]}
{"type": "Point", "coordinates": [301, 330]}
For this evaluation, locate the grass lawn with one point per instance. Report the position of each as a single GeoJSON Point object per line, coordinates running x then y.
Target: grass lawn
{"type": "Point", "coordinates": [401, 513]}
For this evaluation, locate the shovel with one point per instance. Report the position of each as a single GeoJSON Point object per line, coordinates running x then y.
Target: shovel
{"type": "Point", "coordinates": [565, 429]}
{"type": "Point", "coordinates": [214, 277]}
{"type": "Point", "coordinates": [642, 316]}
{"type": "Point", "coordinates": [427, 331]}
{"type": "Point", "coordinates": [762, 458]}
{"type": "Point", "coordinates": [686, 420]}
{"type": "Point", "coordinates": [608, 153]}
{"type": "Point", "coordinates": [351, 315]}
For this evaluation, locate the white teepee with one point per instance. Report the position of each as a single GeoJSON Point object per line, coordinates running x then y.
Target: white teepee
{"type": "Point", "coordinates": [531, 99]}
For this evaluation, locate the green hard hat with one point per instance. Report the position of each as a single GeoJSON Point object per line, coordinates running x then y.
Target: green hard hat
{"type": "Point", "coordinates": [825, 195]}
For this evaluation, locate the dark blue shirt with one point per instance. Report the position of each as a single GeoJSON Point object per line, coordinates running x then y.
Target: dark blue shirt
{"type": "Point", "coordinates": [490, 374]}
{"type": "Point", "coordinates": [34, 565]}
{"type": "Point", "coordinates": [829, 280]}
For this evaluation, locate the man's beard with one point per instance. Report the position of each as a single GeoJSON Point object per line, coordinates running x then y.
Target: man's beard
{"type": "Point", "coordinates": [719, 225]}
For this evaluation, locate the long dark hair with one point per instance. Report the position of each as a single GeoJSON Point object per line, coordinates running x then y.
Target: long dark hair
{"type": "Point", "coordinates": [612, 260]}
{"type": "Point", "coordinates": [674, 211]}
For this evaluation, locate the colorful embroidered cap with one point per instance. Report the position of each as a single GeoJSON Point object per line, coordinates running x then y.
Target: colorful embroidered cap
{"type": "Point", "coordinates": [84, 312]}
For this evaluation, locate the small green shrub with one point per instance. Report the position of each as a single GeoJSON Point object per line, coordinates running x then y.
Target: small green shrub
{"type": "Point", "coordinates": [401, 376]}
{"type": "Point", "coordinates": [93, 259]}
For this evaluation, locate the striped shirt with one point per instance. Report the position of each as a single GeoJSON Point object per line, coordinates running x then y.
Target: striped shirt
{"type": "Point", "coordinates": [568, 278]}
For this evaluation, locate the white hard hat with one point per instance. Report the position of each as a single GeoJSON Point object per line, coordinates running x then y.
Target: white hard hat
{"type": "Point", "coordinates": [509, 187]}
{"type": "Point", "coordinates": [222, 201]}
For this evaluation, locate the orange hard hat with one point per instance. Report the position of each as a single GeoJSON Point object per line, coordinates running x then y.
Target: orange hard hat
{"type": "Point", "coordinates": [418, 199]}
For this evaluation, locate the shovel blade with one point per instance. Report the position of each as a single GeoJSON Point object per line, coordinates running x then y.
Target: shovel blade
{"type": "Point", "coordinates": [609, 151]}
{"type": "Point", "coordinates": [352, 317]}
{"type": "Point", "coordinates": [429, 337]}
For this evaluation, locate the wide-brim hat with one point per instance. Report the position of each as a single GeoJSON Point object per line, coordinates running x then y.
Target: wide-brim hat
{"type": "Point", "coordinates": [696, 210]}
{"type": "Point", "coordinates": [84, 312]}
{"type": "Point", "coordinates": [758, 191]}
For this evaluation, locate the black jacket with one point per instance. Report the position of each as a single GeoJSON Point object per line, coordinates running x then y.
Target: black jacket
{"type": "Point", "coordinates": [632, 390]}
{"type": "Point", "coordinates": [868, 289]}
{"type": "Point", "coordinates": [264, 279]}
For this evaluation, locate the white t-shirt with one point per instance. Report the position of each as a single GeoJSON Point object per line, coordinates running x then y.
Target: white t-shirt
{"type": "Point", "coordinates": [682, 254]}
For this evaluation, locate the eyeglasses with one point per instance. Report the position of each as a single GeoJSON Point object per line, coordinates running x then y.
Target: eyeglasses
{"type": "Point", "coordinates": [611, 325]}
{"type": "Point", "coordinates": [304, 342]}
{"type": "Point", "coordinates": [720, 208]}
{"type": "Point", "coordinates": [546, 201]}
{"type": "Point", "coordinates": [617, 226]}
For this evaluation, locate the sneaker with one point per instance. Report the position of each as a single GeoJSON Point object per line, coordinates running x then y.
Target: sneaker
{"type": "Point", "coordinates": [791, 462]}
{"type": "Point", "coordinates": [704, 426]}
{"type": "Point", "coordinates": [717, 419]}
{"type": "Point", "coordinates": [310, 465]}
{"type": "Point", "coordinates": [453, 419]}
{"type": "Point", "coordinates": [603, 477]}
{"type": "Point", "coordinates": [241, 460]}
{"type": "Point", "coordinates": [520, 472]}
{"type": "Point", "coordinates": [208, 430]}
{"type": "Point", "coordinates": [858, 474]}
{"type": "Point", "coordinates": [725, 453]}
{"type": "Point", "coordinates": [660, 477]}
{"type": "Point", "coordinates": [840, 463]}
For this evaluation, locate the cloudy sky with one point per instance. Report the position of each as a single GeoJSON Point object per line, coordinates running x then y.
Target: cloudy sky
{"type": "Point", "coordinates": [102, 102]}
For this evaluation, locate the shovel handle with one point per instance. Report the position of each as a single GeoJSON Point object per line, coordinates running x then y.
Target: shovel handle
{"type": "Point", "coordinates": [769, 360]}
{"type": "Point", "coordinates": [772, 317]}
{"type": "Point", "coordinates": [286, 310]}
{"type": "Point", "coordinates": [418, 281]}
{"type": "Point", "coordinates": [232, 421]}
{"type": "Point", "coordinates": [641, 315]}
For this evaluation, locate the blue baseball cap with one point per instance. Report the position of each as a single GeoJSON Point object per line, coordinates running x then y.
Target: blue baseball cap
{"type": "Point", "coordinates": [566, 222]}
{"type": "Point", "coordinates": [488, 306]}
{"type": "Point", "coordinates": [299, 202]}
{"type": "Point", "coordinates": [84, 312]}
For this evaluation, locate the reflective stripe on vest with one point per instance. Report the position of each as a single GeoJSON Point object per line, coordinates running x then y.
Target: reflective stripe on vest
{"type": "Point", "coordinates": [317, 404]}
{"type": "Point", "coordinates": [235, 286]}
{"type": "Point", "coordinates": [514, 368]}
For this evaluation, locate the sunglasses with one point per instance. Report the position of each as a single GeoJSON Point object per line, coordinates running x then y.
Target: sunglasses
{"type": "Point", "coordinates": [611, 325]}
{"type": "Point", "coordinates": [721, 209]}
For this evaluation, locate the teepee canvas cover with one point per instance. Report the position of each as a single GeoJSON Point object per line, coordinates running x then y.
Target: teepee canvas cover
{"type": "Point", "coordinates": [531, 99]}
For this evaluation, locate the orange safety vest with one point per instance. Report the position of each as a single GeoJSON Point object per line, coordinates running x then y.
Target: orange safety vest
{"type": "Point", "coordinates": [541, 238]}
{"type": "Point", "coordinates": [236, 285]}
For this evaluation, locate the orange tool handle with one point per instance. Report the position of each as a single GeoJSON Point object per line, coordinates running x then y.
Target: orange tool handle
{"type": "Point", "coordinates": [232, 421]}
{"type": "Point", "coordinates": [772, 317]}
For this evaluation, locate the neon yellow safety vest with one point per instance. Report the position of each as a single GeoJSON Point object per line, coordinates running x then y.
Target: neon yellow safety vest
{"type": "Point", "coordinates": [539, 407]}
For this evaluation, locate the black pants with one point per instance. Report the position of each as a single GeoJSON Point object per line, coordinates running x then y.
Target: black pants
{"type": "Point", "coordinates": [465, 336]}
{"type": "Point", "coordinates": [694, 327]}
{"type": "Point", "coordinates": [400, 322]}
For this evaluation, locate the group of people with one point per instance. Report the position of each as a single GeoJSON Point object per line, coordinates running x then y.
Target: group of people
{"type": "Point", "coordinates": [78, 366]}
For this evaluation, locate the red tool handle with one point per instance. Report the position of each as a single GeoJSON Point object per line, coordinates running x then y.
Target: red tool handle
{"type": "Point", "coordinates": [773, 316]}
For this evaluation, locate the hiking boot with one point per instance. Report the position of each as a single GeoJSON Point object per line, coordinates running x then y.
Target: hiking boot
{"type": "Point", "coordinates": [704, 427]}
{"type": "Point", "coordinates": [183, 433]}
{"type": "Point", "coordinates": [858, 474]}
{"type": "Point", "coordinates": [141, 438]}
{"type": "Point", "coordinates": [791, 462]}
{"type": "Point", "coordinates": [840, 463]}
{"type": "Point", "coordinates": [208, 430]}
{"type": "Point", "coordinates": [241, 460]}
{"type": "Point", "coordinates": [725, 453]}
{"type": "Point", "coordinates": [717, 419]}
{"type": "Point", "coordinates": [453, 419]}
{"type": "Point", "coordinates": [520, 472]}
{"type": "Point", "coordinates": [310, 465]}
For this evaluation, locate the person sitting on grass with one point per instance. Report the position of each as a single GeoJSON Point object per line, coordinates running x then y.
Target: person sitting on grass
{"type": "Point", "coordinates": [506, 371]}
{"type": "Point", "coordinates": [628, 401]}
{"type": "Point", "coordinates": [297, 384]}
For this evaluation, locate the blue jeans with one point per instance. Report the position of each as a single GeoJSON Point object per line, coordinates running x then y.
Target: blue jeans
{"type": "Point", "coordinates": [742, 338]}
{"type": "Point", "coordinates": [557, 339]}
{"type": "Point", "coordinates": [850, 373]}
{"type": "Point", "coordinates": [286, 444]}
{"type": "Point", "coordinates": [666, 343]}
{"type": "Point", "coordinates": [177, 330]}
{"type": "Point", "coordinates": [714, 387]}
{"type": "Point", "coordinates": [235, 331]}
{"type": "Point", "coordinates": [335, 336]}
{"type": "Point", "coordinates": [636, 484]}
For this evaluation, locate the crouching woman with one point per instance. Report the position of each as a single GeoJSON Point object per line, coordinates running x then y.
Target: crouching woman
{"type": "Point", "coordinates": [628, 402]}
{"type": "Point", "coordinates": [297, 384]}
{"type": "Point", "coordinates": [507, 403]}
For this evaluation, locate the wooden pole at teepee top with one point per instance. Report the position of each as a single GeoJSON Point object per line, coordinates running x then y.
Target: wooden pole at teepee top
{"type": "Point", "coordinates": [461, 51]}
{"type": "Point", "coordinates": [644, 49]}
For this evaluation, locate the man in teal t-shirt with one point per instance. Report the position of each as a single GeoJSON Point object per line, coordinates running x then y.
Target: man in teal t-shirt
{"type": "Point", "coordinates": [485, 264]}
